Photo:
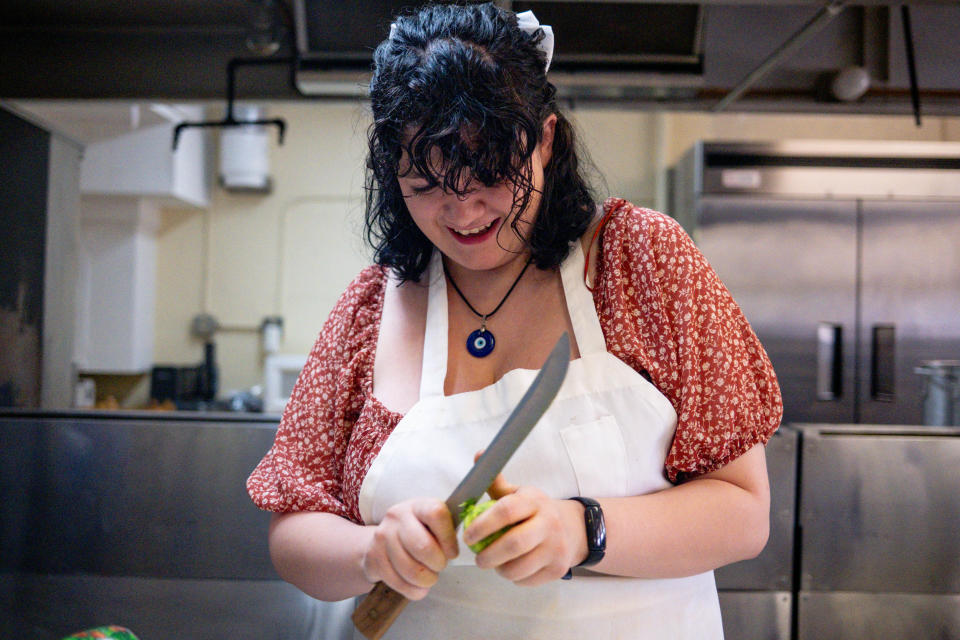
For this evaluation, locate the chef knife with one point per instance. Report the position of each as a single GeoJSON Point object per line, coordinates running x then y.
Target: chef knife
{"type": "Point", "coordinates": [374, 615]}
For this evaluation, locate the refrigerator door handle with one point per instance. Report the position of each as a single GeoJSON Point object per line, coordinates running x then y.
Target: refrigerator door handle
{"type": "Point", "coordinates": [883, 362]}
{"type": "Point", "coordinates": [829, 361]}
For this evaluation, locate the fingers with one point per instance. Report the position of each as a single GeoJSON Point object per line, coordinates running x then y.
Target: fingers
{"type": "Point", "coordinates": [522, 547]}
{"type": "Point", "coordinates": [535, 550]}
{"type": "Point", "coordinates": [508, 510]}
{"type": "Point", "coordinates": [532, 569]}
{"type": "Point", "coordinates": [410, 547]}
{"type": "Point", "coordinates": [501, 488]}
{"type": "Point", "coordinates": [384, 569]}
{"type": "Point", "coordinates": [436, 517]}
{"type": "Point", "coordinates": [387, 561]}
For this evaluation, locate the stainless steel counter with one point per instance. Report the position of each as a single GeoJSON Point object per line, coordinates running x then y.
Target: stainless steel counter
{"type": "Point", "coordinates": [141, 520]}
{"type": "Point", "coordinates": [756, 597]}
{"type": "Point", "coordinates": [133, 496]}
{"type": "Point", "coordinates": [880, 532]}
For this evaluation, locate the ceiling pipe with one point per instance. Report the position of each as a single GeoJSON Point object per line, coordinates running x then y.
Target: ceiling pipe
{"type": "Point", "coordinates": [911, 64]}
{"type": "Point", "coordinates": [794, 42]}
{"type": "Point", "coordinates": [230, 120]}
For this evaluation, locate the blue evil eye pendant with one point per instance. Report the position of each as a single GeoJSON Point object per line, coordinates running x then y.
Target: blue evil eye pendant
{"type": "Point", "coordinates": [480, 343]}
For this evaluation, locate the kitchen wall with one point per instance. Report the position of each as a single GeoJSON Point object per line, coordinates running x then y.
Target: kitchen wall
{"type": "Point", "coordinates": [291, 252]}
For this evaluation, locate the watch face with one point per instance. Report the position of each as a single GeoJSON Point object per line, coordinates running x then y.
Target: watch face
{"type": "Point", "coordinates": [596, 530]}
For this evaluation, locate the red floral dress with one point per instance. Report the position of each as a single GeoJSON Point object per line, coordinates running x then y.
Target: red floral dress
{"type": "Point", "coordinates": [662, 309]}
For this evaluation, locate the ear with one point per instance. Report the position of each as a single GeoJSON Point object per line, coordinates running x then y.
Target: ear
{"type": "Point", "coordinates": [546, 139]}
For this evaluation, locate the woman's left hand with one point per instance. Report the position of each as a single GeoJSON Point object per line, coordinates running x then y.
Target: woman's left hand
{"type": "Point", "coordinates": [547, 537]}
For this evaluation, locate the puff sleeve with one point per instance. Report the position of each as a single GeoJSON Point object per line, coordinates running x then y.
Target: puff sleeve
{"type": "Point", "coordinates": [304, 469]}
{"type": "Point", "coordinates": [664, 310]}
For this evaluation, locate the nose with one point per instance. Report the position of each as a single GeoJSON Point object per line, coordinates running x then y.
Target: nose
{"type": "Point", "coordinates": [469, 203]}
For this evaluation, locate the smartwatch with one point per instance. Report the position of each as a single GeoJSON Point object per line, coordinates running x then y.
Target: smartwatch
{"type": "Point", "coordinates": [596, 530]}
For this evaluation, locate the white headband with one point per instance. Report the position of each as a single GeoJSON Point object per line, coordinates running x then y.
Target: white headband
{"type": "Point", "coordinates": [528, 23]}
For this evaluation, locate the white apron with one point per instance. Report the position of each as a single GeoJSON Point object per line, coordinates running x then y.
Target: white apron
{"type": "Point", "coordinates": [606, 434]}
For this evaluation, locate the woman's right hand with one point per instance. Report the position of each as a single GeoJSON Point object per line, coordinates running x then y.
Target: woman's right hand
{"type": "Point", "coordinates": [410, 547]}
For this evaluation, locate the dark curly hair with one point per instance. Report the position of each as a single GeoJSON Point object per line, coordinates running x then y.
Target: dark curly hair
{"type": "Point", "coordinates": [472, 89]}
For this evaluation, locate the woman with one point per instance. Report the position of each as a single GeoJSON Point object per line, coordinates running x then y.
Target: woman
{"type": "Point", "coordinates": [658, 429]}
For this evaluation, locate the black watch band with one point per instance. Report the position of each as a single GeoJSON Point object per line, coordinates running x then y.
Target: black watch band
{"type": "Point", "coordinates": [596, 530]}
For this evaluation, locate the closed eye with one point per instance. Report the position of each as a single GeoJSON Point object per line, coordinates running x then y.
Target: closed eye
{"type": "Point", "coordinates": [423, 189]}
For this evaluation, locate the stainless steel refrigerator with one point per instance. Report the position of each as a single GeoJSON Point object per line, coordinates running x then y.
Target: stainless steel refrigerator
{"type": "Point", "coordinates": [845, 258]}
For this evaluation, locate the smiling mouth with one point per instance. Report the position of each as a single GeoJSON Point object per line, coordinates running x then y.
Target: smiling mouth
{"type": "Point", "coordinates": [466, 233]}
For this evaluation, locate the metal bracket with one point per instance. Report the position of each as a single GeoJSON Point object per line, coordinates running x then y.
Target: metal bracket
{"type": "Point", "coordinates": [230, 120]}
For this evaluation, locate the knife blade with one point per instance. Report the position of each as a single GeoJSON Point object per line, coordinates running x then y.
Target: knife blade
{"type": "Point", "coordinates": [374, 615]}
{"type": "Point", "coordinates": [521, 421]}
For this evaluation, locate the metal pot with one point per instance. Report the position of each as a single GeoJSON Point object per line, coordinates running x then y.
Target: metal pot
{"type": "Point", "coordinates": [941, 393]}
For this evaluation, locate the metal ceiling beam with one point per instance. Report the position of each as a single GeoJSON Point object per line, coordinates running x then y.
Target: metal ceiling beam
{"type": "Point", "coordinates": [745, 3]}
{"type": "Point", "coordinates": [794, 42]}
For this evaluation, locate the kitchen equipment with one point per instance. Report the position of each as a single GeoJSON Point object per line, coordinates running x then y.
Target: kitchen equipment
{"type": "Point", "coordinates": [878, 521]}
{"type": "Point", "coordinates": [844, 258]}
{"type": "Point", "coordinates": [280, 373]}
{"type": "Point", "coordinates": [756, 595]}
{"type": "Point", "coordinates": [941, 393]}
{"type": "Point", "coordinates": [178, 384]}
{"type": "Point", "coordinates": [380, 608]}
{"type": "Point", "coordinates": [191, 387]}
{"type": "Point", "coordinates": [271, 333]}
{"type": "Point", "coordinates": [245, 153]}
{"type": "Point", "coordinates": [145, 521]}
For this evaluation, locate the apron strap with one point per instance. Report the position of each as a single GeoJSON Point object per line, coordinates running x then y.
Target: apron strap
{"type": "Point", "coordinates": [583, 312]}
{"type": "Point", "coordinates": [434, 370]}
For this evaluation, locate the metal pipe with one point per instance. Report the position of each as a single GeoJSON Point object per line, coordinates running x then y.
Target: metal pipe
{"type": "Point", "coordinates": [911, 64]}
{"type": "Point", "coordinates": [820, 20]}
{"type": "Point", "coordinates": [229, 120]}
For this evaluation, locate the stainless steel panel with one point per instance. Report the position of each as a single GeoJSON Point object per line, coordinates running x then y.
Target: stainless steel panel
{"type": "Point", "coordinates": [790, 265]}
{"type": "Point", "coordinates": [879, 509]}
{"type": "Point", "coordinates": [911, 286]}
{"type": "Point", "coordinates": [869, 616]}
{"type": "Point", "coordinates": [830, 169]}
{"type": "Point", "coordinates": [755, 615]}
{"type": "Point", "coordinates": [772, 570]}
{"type": "Point", "coordinates": [832, 181]}
{"type": "Point", "coordinates": [47, 607]}
{"type": "Point", "coordinates": [135, 497]}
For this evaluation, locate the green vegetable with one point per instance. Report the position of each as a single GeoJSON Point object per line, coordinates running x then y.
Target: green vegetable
{"type": "Point", "coordinates": [469, 511]}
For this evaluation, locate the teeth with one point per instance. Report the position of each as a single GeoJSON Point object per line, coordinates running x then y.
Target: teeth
{"type": "Point", "coordinates": [473, 232]}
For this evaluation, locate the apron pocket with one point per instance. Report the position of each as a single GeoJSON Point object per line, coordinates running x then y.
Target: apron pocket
{"type": "Point", "coordinates": [598, 457]}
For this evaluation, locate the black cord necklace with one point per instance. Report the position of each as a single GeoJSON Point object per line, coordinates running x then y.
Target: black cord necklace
{"type": "Point", "coordinates": [480, 343]}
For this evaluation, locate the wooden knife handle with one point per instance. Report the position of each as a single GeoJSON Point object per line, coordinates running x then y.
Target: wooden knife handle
{"type": "Point", "coordinates": [375, 613]}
